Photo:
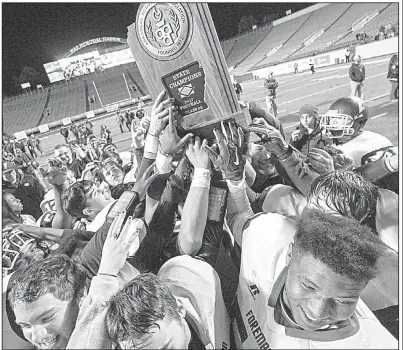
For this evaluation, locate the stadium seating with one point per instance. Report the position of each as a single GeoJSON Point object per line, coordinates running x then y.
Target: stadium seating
{"type": "Point", "coordinates": [278, 35]}
{"type": "Point", "coordinates": [66, 100]}
{"type": "Point", "coordinates": [244, 53]}
{"type": "Point", "coordinates": [245, 44]}
{"type": "Point", "coordinates": [23, 112]}
{"type": "Point", "coordinates": [341, 27]}
{"type": "Point", "coordinates": [389, 15]}
{"type": "Point", "coordinates": [320, 19]}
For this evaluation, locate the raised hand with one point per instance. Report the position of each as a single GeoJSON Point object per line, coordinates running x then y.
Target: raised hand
{"type": "Point", "coordinates": [197, 154]}
{"type": "Point", "coordinates": [170, 142]}
{"type": "Point", "coordinates": [275, 142]}
{"type": "Point", "coordinates": [88, 172]}
{"type": "Point", "coordinates": [142, 184]}
{"type": "Point", "coordinates": [117, 244]}
{"type": "Point", "coordinates": [226, 153]}
{"type": "Point", "coordinates": [57, 173]}
{"type": "Point", "coordinates": [320, 160]}
{"type": "Point", "coordinates": [159, 114]}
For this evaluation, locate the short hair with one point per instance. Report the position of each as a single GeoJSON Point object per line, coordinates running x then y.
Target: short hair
{"type": "Point", "coordinates": [139, 305]}
{"type": "Point", "coordinates": [74, 198]}
{"type": "Point", "coordinates": [57, 274]}
{"type": "Point", "coordinates": [342, 244]}
{"type": "Point", "coordinates": [349, 193]}
{"type": "Point", "coordinates": [111, 154]}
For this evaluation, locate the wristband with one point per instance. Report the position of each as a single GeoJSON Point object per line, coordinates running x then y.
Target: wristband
{"type": "Point", "coordinates": [107, 274]}
{"type": "Point", "coordinates": [163, 162]}
{"type": "Point", "coordinates": [151, 147]}
{"type": "Point", "coordinates": [201, 178]}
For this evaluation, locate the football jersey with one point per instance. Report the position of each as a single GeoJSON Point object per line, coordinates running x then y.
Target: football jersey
{"type": "Point", "coordinates": [262, 277]}
{"type": "Point", "coordinates": [365, 142]}
{"type": "Point", "coordinates": [48, 202]}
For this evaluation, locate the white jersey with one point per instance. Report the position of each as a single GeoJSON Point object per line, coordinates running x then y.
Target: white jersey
{"type": "Point", "coordinates": [262, 276]}
{"type": "Point", "coordinates": [364, 143]}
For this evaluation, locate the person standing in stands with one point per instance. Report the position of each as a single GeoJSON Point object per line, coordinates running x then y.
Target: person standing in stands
{"type": "Point", "coordinates": [296, 67]}
{"type": "Point", "coordinates": [238, 90]}
{"type": "Point", "coordinates": [357, 77]}
{"type": "Point", "coordinates": [271, 86]}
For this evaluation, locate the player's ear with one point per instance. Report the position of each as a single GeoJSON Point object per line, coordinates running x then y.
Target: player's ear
{"type": "Point", "coordinates": [88, 211]}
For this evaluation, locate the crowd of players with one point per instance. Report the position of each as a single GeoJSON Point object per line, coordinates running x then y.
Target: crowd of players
{"type": "Point", "coordinates": [249, 241]}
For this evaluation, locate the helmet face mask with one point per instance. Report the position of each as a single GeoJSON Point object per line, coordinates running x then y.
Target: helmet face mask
{"type": "Point", "coordinates": [16, 244]}
{"type": "Point", "coordinates": [335, 125]}
{"type": "Point", "coordinates": [346, 117]}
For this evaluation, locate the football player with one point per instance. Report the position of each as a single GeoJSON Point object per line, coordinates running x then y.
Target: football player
{"type": "Point", "coordinates": [299, 284]}
{"type": "Point", "coordinates": [344, 123]}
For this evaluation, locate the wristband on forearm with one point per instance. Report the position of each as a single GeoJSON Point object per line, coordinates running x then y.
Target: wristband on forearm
{"type": "Point", "coordinates": [201, 178]}
{"type": "Point", "coordinates": [163, 162]}
{"type": "Point", "coordinates": [151, 147]}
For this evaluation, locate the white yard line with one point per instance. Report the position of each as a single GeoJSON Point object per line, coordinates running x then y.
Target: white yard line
{"type": "Point", "coordinates": [379, 115]}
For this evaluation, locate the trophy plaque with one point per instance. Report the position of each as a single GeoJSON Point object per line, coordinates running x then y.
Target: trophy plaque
{"type": "Point", "coordinates": [176, 49]}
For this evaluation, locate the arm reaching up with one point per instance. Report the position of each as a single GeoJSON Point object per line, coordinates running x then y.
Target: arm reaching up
{"type": "Point", "coordinates": [194, 216]}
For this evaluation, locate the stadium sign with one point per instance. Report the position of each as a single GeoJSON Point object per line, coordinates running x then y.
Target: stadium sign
{"type": "Point", "coordinates": [176, 49]}
{"type": "Point", "coordinates": [104, 39]}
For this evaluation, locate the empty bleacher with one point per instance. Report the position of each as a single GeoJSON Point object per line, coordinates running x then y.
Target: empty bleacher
{"type": "Point", "coordinates": [387, 16]}
{"type": "Point", "coordinates": [278, 35]}
{"type": "Point", "coordinates": [322, 18]}
{"type": "Point", "coordinates": [340, 27]}
{"type": "Point", "coordinates": [66, 100]}
{"type": "Point", "coordinates": [245, 44]}
{"type": "Point", "coordinates": [23, 112]}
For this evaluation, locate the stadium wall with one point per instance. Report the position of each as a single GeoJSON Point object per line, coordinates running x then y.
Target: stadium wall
{"type": "Point", "coordinates": [370, 50]}
{"type": "Point", "coordinates": [299, 13]}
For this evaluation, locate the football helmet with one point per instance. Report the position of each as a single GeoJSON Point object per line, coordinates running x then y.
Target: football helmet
{"type": "Point", "coordinates": [345, 117]}
{"type": "Point", "coordinates": [15, 244]}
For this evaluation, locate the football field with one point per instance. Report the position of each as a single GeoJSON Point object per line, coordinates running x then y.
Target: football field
{"type": "Point", "coordinates": [322, 88]}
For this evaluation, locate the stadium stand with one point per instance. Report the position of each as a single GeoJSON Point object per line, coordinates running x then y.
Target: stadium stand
{"type": "Point", "coordinates": [389, 15]}
{"type": "Point", "coordinates": [66, 100]}
{"type": "Point", "coordinates": [245, 52]}
{"type": "Point", "coordinates": [321, 19]}
{"type": "Point", "coordinates": [245, 44]}
{"type": "Point", "coordinates": [277, 35]}
{"type": "Point", "coordinates": [24, 111]}
{"type": "Point", "coordinates": [339, 28]}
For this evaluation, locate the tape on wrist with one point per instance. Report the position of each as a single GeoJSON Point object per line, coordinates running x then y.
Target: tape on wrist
{"type": "Point", "coordinates": [151, 146]}
{"type": "Point", "coordinates": [163, 163]}
{"type": "Point", "coordinates": [201, 178]}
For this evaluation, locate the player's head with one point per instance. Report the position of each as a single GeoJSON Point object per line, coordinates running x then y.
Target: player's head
{"type": "Point", "coordinates": [112, 171]}
{"type": "Point", "coordinates": [357, 59]}
{"type": "Point", "coordinates": [270, 74]}
{"type": "Point", "coordinates": [344, 193]}
{"type": "Point", "coordinates": [110, 147]}
{"type": "Point", "coordinates": [18, 152]}
{"type": "Point", "coordinates": [9, 172]}
{"type": "Point", "coordinates": [12, 204]}
{"type": "Point", "coordinates": [330, 263]}
{"type": "Point", "coordinates": [93, 141]}
{"type": "Point", "coordinates": [140, 113]}
{"type": "Point", "coordinates": [260, 159]}
{"type": "Point", "coordinates": [86, 199]}
{"type": "Point", "coordinates": [145, 314]}
{"type": "Point", "coordinates": [63, 153]}
{"type": "Point", "coordinates": [345, 118]}
{"type": "Point", "coordinates": [45, 298]}
{"type": "Point", "coordinates": [309, 117]}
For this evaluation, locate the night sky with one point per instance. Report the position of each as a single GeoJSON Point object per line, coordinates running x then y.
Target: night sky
{"type": "Point", "coordinates": [36, 33]}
